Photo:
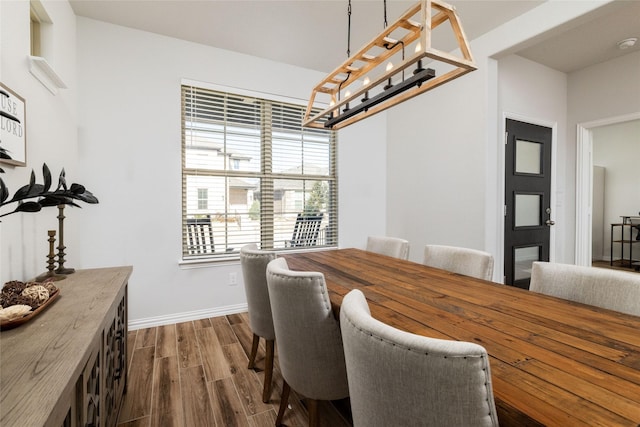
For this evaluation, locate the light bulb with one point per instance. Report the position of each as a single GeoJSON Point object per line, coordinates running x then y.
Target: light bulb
{"type": "Point", "coordinates": [366, 81]}
{"type": "Point", "coordinates": [389, 66]}
{"type": "Point", "coordinates": [347, 94]}
{"type": "Point", "coordinates": [332, 103]}
{"type": "Point", "coordinates": [418, 47]}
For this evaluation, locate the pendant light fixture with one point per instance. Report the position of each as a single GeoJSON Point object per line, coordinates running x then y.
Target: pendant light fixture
{"type": "Point", "coordinates": [373, 79]}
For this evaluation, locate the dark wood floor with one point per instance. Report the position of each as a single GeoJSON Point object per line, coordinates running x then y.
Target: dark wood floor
{"type": "Point", "coordinates": [195, 374]}
{"type": "Point", "coordinates": [617, 265]}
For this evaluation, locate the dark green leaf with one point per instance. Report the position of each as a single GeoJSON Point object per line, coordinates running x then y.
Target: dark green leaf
{"type": "Point", "coordinates": [27, 192]}
{"type": "Point", "coordinates": [77, 188]}
{"type": "Point", "coordinates": [62, 181]}
{"type": "Point", "coordinates": [55, 200]}
{"type": "Point", "coordinates": [28, 207]}
{"type": "Point", "coordinates": [46, 173]}
{"type": "Point", "coordinates": [87, 197]}
{"type": "Point", "coordinates": [61, 196]}
{"type": "Point", "coordinates": [4, 191]}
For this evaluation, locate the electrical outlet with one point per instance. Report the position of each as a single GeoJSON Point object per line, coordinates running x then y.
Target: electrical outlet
{"type": "Point", "coordinates": [233, 279]}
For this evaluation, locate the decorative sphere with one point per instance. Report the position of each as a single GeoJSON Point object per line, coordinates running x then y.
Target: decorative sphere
{"type": "Point", "coordinates": [37, 293]}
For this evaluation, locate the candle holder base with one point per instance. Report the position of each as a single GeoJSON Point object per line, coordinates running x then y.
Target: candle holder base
{"type": "Point", "coordinates": [49, 275]}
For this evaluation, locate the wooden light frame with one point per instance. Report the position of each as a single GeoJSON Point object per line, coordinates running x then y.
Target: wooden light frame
{"type": "Point", "coordinates": [397, 38]}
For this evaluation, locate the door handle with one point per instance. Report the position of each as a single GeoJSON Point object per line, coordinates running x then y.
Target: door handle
{"type": "Point", "coordinates": [550, 223]}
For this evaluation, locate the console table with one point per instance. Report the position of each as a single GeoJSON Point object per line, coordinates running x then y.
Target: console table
{"type": "Point", "coordinates": [68, 365]}
{"type": "Point", "coordinates": [626, 238]}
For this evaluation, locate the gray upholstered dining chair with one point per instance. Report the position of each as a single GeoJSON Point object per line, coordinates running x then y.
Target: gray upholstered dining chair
{"type": "Point", "coordinates": [254, 271]}
{"type": "Point", "coordinates": [391, 246]}
{"type": "Point", "coordinates": [470, 262]}
{"type": "Point", "coordinates": [310, 349]}
{"type": "Point", "coordinates": [612, 289]}
{"type": "Point", "coordinates": [402, 379]}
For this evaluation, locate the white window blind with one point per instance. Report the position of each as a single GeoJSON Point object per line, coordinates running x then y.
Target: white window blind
{"type": "Point", "coordinates": [267, 179]}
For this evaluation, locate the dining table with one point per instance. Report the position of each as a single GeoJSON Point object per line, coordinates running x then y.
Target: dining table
{"type": "Point", "coordinates": [553, 362]}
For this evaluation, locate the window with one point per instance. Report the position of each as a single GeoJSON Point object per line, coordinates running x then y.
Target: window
{"type": "Point", "coordinates": [40, 28]}
{"type": "Point", "coordinates": [35, 33]}
{"type": "Point", "coordinates": [253, 171]}
{"type": "Point", "coordinates": [203, 198]}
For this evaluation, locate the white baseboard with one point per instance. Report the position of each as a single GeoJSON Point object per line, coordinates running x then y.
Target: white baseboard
{"type": "Point", "coordinates": [169, 319]}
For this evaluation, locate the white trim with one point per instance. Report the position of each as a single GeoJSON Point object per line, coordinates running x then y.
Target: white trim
{"type": "Point", "coordinates": [235, 259]}
{"type": "Point", "coordinates": [209, 262]}
{"type": "Point", "coordinates": [584, 183]}
{"type": "Point", "coordinates": [248, 92]}
{"type": "Point", "coordinates": [170, 319]}
{"type": "Point", "coordinates": [44, 72]}
{"type": "Point", "coordinates": [499, 262]}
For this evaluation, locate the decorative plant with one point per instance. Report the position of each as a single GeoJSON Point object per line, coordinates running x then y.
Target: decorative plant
{"type": "Point", "coordinates": [62, 195]}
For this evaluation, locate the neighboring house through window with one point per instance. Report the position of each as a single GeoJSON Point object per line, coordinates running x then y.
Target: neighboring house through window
{"type": "Point", "coordinates": [203, 198]}
{"type": "Point", "coordinates": [251, 172]}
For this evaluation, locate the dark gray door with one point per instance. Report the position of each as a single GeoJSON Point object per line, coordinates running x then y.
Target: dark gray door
{"type": "Point", "coordinates": [527, 200]}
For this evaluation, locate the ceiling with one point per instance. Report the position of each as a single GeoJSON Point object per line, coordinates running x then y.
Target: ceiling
{"type": "Point", "coordinates": [313, 33]}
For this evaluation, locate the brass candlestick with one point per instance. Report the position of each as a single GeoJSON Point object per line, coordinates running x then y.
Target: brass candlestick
{"type": "Point", "coordinates": [61, 247]}
{"type": "Point", "coordinates": [50, 274]}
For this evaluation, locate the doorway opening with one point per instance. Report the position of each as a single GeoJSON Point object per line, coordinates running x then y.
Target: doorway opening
{"type": "Point", "coordinates": [589, 211]}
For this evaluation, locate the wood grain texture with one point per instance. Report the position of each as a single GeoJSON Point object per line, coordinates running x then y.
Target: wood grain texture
{"type": "Point", "coordinates": [188, 350]}
{"type": "Point", "coordinates": [265, 419]}
{"type": "Point", "coordinates": [247, 384]}
{"type": "Point", "coordinates": [176, 394]}
{"type": "Point", "coordinates": [166, 341]}
{"type": "Point", "coordinates": [228, 408]}
{"type": "Point", "coordinates": [140, 382]}
{"type": "Point", "coordinates": [213, 359]}
{"type": "Point", "coordinates": [223, 330]}
{"type": "Point", "coordinates": [167, 396]}
{"type": "Point", "coordinates": [196, 402]}
{"type": "Point", "coordinates": [553, 362]}
{"type": "Point", "coordinates": [146, 337]}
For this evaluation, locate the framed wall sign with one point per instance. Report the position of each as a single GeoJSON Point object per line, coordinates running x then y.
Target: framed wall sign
{"type": "Point", "coordinates": [13, 129]}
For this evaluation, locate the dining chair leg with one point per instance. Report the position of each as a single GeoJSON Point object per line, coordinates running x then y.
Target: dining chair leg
{"type": "Point", "coordinates": [268, 371]}
{"type": "Point", "coordinates": [254, 351]}
{"type": "Point", "coordinates": [312, 409]}
{"type": "Point", "coordinates": [284, 401]}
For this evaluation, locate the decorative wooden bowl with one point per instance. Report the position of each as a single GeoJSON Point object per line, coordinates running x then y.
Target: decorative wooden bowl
{"type": "Point", "coordinates": [9, 324]}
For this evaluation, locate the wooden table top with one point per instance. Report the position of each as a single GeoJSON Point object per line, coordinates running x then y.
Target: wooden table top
{"type": "Point", "coordinates": [553, 362]}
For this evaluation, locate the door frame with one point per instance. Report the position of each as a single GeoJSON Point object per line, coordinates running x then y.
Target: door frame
{"type": "Point", "coordinates": [499, 261]}
{"type": "Point", "coordinates": [584, 183]}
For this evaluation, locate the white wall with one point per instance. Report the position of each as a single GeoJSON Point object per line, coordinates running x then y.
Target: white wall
{"type": "Point", "coordinates": [436, 169]}
{"type": "Point", "coordinates": [51, 135]}
{"type": "Point", "coordinates": [445, 147]}
{"type": "Point", "coordinates": [130, 148]}
{"type": "Point", "coordinates": [617, 149]}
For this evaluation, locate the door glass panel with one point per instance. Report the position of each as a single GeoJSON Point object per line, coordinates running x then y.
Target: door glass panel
{"type": "Point", "coordinates": [528, 157]}
{"type": "Point", "coordinates": [523, 259]}
{"type": "Point", "coordinates": [528, 209]}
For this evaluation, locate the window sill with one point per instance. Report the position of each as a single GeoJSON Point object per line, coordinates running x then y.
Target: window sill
{"type": "Point", "coordinates": [188, 264]}
{"type": "Point", "coordinates": [42, 71]}
{"type": "Point", "coordinates": [234, 259]}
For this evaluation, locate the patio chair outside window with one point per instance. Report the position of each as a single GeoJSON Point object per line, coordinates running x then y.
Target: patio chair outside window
{"type": "Point", "coordinates": [200, 236]}
{"type": "Point", "coordinates": [306, 230]}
